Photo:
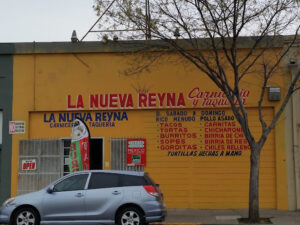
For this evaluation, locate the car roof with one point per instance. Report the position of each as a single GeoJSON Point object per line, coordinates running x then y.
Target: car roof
{"type": "Point", "coordinates": [125, 172]}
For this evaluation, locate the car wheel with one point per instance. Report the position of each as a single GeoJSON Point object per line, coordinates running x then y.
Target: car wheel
{"type": "Point", "coordinates": [130, 216]}
{"type": "Point", "coordinates": [26, 216]}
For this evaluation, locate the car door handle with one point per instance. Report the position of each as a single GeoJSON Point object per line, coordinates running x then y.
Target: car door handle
{"type": "Point", "coordinates": [79, 195]}
{"type": "Point", "coordinates": [116, 193]}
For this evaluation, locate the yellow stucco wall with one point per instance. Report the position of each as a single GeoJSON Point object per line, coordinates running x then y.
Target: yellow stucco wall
{"type": "Point", "coordinates": [44, 82]}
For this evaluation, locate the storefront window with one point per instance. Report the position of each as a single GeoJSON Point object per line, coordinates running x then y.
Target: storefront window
{"type": "Point", "coordinates": [118, 155]}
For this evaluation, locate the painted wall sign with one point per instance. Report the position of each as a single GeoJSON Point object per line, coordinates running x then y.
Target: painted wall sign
{"type": "Point", "coordinates": [194, 97]}
{"type": "Point", "coordinates": [213, 99]}
{"type": "Point", "coordinates": [16, 127]}
{"type": "Point", "coordinates": [29, 164]}
{"type": "Point", "coordinates": [176, 132]}
{"type": "Point", "coordinates": [92, 119]}
{"type": "Point", "coordinates": [136, 152]}
{"type": "Point", "coordinates": [204, 133]}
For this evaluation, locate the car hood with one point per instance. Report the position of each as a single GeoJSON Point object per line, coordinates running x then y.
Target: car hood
{"type": "Point", "coordinates": [29, 198]}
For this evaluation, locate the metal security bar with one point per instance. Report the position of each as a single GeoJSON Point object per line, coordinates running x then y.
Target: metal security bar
{"type": "Point", "coordinates": [46, 157]}
{"type": "Point", "coordinates": [118, 155]}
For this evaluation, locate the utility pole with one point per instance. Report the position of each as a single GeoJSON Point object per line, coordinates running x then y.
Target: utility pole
{"type": "Point", "coordinates": [148, 19]}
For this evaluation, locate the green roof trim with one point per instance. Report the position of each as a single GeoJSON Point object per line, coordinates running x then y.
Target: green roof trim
{"type": "Point", "coordinates": [129, 46]}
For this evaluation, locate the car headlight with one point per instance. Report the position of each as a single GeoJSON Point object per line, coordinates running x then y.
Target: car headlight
{"type": "Point", "coordinates": [8, 201]}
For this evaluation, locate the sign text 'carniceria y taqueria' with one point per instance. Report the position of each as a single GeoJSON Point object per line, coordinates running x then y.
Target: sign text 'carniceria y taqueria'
{"type": "Point", "coordinates": [195, 97]}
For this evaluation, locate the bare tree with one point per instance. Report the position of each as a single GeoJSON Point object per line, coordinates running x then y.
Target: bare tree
{"type": "Point", "coordinates": [190, 26]}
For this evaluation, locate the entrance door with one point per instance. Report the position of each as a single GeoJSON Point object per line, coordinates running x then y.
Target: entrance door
{"type": "Point", "coordinates": [96, 154]}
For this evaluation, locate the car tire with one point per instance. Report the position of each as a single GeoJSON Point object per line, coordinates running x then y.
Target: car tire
{"type": "Point", "coordinates": [130, 216]}
{"type": "Point", "coordinates": [26, 216]}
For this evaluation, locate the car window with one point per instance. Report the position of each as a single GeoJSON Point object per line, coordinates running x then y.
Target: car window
{"type": "Point", "coordinates": [103, 180]}
{"type": "Point", "coordinates": [129, 180]}
{"type": "Point", "coordinates": [72, 183]}
{"type": "Point", "coordinates": [149, 180]}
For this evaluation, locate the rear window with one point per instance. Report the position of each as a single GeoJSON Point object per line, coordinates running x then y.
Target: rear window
{"type": "Point", "coordinates": [149, 179]}
{"type": "Point", "coordinates": [109, 180]}
{"type": "Point", "coordinates": [129, 180]}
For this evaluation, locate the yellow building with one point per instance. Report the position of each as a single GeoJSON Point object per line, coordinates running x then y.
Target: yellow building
{"type": "Point", "coordinates": [195, 148]}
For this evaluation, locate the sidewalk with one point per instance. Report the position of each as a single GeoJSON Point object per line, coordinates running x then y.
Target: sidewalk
{"type": "Point", "coordinates": [192, 216]}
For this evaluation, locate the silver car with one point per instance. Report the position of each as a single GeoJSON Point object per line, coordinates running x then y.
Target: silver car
{"type": "Point", "coordinates": [89, 197]}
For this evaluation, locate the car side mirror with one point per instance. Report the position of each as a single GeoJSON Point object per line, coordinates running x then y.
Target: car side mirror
{"type": "Point", "coordinates": [50, 189]}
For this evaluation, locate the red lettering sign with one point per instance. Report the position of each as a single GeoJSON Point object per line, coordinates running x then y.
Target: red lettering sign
{"type": "Point", "coordinates": [214, 98]}
{"type": "Point", "coordinates": [78, 105]}
{"type": "Point", "coordinates": [136, 152]}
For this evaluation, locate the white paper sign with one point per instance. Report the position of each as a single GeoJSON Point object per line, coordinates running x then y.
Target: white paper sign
{"type": "Point", "coordinates": [16, 127]}
{"type": "Point", "coordinates": [29, 164]}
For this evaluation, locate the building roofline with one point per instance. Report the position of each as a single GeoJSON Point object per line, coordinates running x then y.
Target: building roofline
{"type": "Point", "coordinates": [128, 46]}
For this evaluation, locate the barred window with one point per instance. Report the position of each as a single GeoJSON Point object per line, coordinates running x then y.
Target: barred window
{"type": "Point", "coordinates": [118, 154]}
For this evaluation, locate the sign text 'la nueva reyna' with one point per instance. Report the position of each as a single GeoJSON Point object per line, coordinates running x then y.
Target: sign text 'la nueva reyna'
{"type": "Point", "coordinates": [197, 98]}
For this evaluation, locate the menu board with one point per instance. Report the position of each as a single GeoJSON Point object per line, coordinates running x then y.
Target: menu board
{"type": "Point", "coordinates": [201, 133]}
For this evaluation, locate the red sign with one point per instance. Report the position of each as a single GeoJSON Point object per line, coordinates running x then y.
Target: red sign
{"type": "Point", "coordinates": [136, 152]}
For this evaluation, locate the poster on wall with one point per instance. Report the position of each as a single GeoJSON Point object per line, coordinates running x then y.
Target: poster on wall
{"type": "Point", "coordinates": [79, 156]}
{"type": "Point", "coordinates": [136, 152]}
{"type": "Point", "coordinates": [16, 127]}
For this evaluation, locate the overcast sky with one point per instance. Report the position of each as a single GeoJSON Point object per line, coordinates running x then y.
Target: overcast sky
{"type": "Point", "coordinates": [45, 20]}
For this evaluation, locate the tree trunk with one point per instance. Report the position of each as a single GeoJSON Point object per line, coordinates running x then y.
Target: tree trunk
{"type": "Point", "coordinates": [253, 187]}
